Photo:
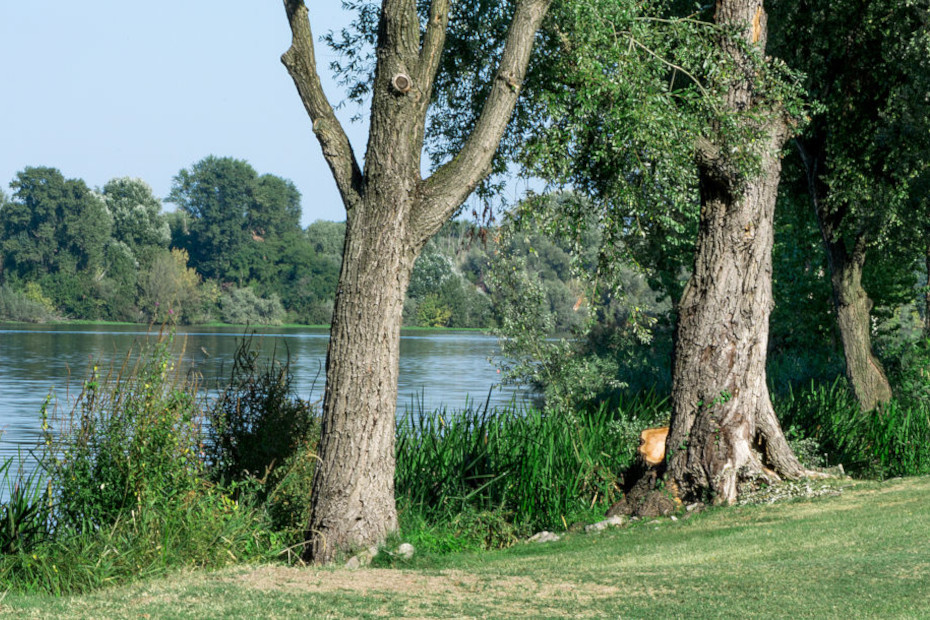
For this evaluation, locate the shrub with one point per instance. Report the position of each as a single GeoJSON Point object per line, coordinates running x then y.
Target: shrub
{"type": "Point", "coordinates": [260, 431]}
{"type": "Point", "coordinates": [241, 306]}
{"type": "Point", "coordinates": [120, 488]}
{"type": "Point", "coordinates": [28, 306]}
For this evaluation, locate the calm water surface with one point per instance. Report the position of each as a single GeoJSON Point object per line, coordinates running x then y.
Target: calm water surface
{"type": "Point", "coordinates": [436, 368]}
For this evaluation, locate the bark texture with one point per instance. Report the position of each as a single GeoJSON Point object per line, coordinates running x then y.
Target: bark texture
{"type": "Point", "coordinates": [846, 255]}
{"type": "Point", "coordinates": [391, 212]}
{"type": "Point", "coordinates": [723, 427]}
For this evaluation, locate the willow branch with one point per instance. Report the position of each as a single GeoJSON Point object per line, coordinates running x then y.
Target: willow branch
{"type": "Point", "coordinates": [300, 61]}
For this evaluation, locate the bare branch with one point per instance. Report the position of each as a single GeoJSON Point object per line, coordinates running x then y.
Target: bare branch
{"type": "Point", "coordinates": [300, 61]}
{"type": "Point", "coordinates": [434, 39]}
{"type": "Point", "coordinates": [449, 186]}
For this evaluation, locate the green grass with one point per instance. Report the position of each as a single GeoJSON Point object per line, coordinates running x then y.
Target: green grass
{"type": "Point", "coordinates": [862, 554]}
{"type": "Point", "coordinates": [491, 474]}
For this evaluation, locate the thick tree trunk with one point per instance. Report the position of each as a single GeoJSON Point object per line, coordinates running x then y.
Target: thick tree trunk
{"type": "Point", "coordinates": [926, 295]}
{"type": "Point", "coordinates": [853, 307]}
{"type": "Point", "coordinates": [723, 427]}
{"type": "Point", "coordinates": [353, 486]}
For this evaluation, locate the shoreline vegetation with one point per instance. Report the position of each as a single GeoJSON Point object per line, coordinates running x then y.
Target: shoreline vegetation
{"type": "Point", "coordinates": [144, 477]}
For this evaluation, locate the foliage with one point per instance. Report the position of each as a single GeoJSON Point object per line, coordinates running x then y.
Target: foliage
{"type": "Point", "coordinates": [548, 280]}
{"type": "Point", "coordinates": [25, 512]}
{"type": "Point", "coordinates": [121, 488]}
{"type": "Point", "coordinates": [52, 224]}
{"type": "Point", "coordinates": [233, 217]}
{"type": "Point", "coordinates": [241, 306]}
{"type": "Point", "coordinates": [257, 422]}
{"type": "Point", "coordinates": [132, 439]}
{"type": "Point", "coordinates": [138, 222]}
{"type": "Point", "coordinates": [894, 441]}
{"type": "Point", "coordinates": [170, 289]}
{"type": "Point", "coordinates": [260, 432]}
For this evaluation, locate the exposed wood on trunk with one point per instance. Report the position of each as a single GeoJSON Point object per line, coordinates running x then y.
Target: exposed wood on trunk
{"type": "Point", "coordinates": [724, 428]}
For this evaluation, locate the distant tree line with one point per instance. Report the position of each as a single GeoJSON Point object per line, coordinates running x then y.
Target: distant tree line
{"type": "Point", "coordinates": [234, 251]}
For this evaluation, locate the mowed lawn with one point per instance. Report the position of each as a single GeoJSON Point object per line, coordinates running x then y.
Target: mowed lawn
{"type": "Point", "coordinates": [862, 554]}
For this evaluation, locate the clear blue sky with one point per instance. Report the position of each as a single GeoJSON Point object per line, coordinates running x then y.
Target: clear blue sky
{"type": "Point", "coordinates": [110, 88]}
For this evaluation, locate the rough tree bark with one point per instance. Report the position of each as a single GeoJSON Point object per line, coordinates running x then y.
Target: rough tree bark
{"type": "Point", "coordinates": [723, 427]}
{"type": "Point", "coordinates": [391, 212]}
{"type": "Point", "coordinates": [846, 260]}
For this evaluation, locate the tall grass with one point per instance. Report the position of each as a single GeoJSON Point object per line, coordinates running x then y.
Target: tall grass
{"type": "Point", "coordinates": [891, 441]}
{"type": "Point", "coordinates": [522, 467]}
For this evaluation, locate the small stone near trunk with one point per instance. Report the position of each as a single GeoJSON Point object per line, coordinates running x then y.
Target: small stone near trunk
{"type": "Point", "coordinates": [405, 551]}
{"type": "Point", "coordinates": [543, 537]}
{"type": "Point", "coordinates": [363, 558]}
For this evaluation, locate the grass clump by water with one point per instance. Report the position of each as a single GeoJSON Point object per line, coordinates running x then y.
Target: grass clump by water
{"type": "Point", "coordinates": [121, 487]}
{"type": "Point", "coordinates": [481, 478]}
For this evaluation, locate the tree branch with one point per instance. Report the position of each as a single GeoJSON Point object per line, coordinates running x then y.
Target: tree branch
{"type": "Point", "coordinates": [434, 39]}
{"type": "Point", "coordinates": [450, 185]}
{"type": "Point", "coordinates": [300, 61]}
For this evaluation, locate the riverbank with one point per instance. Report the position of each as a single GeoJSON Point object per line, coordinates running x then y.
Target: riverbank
{"type": "Point", "coordinates": [861, 553]}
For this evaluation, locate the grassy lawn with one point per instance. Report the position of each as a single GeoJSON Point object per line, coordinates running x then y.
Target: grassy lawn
{"type": "Point", "coordinates": [862, 554]}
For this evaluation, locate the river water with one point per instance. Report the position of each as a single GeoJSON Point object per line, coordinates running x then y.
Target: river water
{"type": "Point", "coordinates": [437, 368]}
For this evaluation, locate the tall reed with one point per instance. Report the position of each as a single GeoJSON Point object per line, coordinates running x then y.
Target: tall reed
{"type": "Point", "coordinates": [540, 468]}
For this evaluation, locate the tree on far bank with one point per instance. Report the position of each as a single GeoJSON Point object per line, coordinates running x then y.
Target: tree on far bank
{"type": "Point", "coordinates": [391, 213]}
{"type": "Point", "coordinates": [137, 218]}
{"type": "Point", "coordinates": [55, 231]}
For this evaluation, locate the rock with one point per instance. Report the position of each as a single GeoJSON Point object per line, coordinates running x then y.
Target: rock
{"type": "Point", "coordinates": [544, 537]}
{"type": "Point", "coordinates": [405, 551]}
{"type": "Point", "coordinates": [363, 558]}
{"type": "Point", "coordinates": [614, 521]}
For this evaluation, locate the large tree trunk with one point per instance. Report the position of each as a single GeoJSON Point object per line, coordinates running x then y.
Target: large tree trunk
{"type": "Point", "coordinates": [391, 213]}
{"type": "Point", "coordinates": [723, 427]}
{"type": "Point", "coordinates": [353, 486]}
{"type": "Point", "coordinates": [926, 294]}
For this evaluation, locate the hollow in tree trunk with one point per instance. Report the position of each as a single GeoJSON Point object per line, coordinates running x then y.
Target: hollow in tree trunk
{"type": "Point", "coordinates": [723, 427]}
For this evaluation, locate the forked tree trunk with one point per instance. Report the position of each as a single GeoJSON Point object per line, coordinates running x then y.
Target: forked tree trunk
{"type": "Point", "coordinates": [723, 427]}
{"type": "Point", "coordinates": [391, 213]}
